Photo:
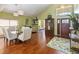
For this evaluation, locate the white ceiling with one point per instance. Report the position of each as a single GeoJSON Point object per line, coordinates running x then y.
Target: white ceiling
{"type": "Point", "coordinates": [29, 9]}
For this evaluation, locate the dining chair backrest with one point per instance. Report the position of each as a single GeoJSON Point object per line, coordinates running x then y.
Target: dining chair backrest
{"type": "Point", "coordinates": [26, 34]}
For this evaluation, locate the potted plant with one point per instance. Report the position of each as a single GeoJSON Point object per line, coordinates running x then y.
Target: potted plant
{"type": "Point", "coordinates": [75, 23]}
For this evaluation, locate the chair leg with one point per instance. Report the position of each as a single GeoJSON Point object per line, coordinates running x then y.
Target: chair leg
{"type": "Point", "coordinates": [13, 41]}
{"type": "Point", "coordinates": [17, 41]}
{"type": "Point", "coordinates": [8, 42]}
{"type": "Point", "coordinates": [4, 39]}
{"type": "Point", "coordinates": [4, 42]}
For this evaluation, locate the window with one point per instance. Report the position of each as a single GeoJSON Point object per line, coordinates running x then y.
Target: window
{"type": "Point", "coordinates": [5, 22]}
{"type": "Point", "coordinates": [65, 21]}
{"type": "Point", "coordinates": [64, 13]}
{"type": "Point", "coordinates": [41, 24]}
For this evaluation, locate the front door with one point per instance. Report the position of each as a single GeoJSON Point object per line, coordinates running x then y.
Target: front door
{"type": "Point", "coordinates": [65, 23]}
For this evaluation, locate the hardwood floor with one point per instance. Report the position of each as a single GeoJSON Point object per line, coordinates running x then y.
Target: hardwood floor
{"type": "Point", "coordinates": [35, 45]}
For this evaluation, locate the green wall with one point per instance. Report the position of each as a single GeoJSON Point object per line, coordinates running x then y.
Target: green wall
{"type": "Point", "coordinates": [51, 10]}
{"type": "Point", "coordinates": [4, 15]}
{"type": "Point", "coordinates": [21, 19]}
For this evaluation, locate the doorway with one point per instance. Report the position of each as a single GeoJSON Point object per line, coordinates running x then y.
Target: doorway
{"type": "Point", "coordinates": [63, 27]}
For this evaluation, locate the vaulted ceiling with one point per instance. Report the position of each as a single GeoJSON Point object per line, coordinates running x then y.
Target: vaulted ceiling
{"type": "Point", "coordinates": [29, 9]}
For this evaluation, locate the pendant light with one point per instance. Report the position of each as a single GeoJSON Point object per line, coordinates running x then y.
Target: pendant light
{"type": "Point", "coordinates": [18, 12]}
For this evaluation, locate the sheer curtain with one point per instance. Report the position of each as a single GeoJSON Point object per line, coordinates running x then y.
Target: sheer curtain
{"type": "Point", "coordinates": [5, 23]}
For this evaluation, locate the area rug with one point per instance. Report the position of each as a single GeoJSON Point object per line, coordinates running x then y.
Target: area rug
{"type": "Point", "coordinates": [61, 44]}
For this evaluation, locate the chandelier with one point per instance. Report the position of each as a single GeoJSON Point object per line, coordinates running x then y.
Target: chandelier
{"type": "Point", "coordinates": [18, 12]}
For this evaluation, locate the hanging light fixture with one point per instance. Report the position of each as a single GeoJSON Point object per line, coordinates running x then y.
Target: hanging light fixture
{"type": "Point", "coordinates": [18, 12]}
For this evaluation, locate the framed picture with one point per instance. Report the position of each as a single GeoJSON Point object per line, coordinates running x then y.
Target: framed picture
{"type": "Point", "coordinates": [35, 21]}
